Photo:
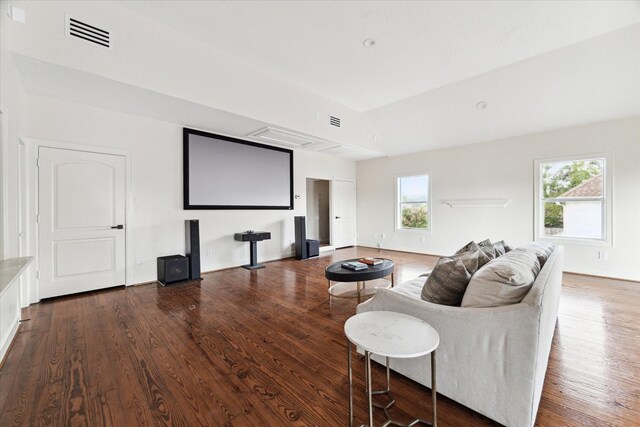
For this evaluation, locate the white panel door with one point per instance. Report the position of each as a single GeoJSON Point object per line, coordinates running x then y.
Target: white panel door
{"type": "Point", "coordinates": [81, 204]}
{"type": "Point", "coordinates": [343, 206]}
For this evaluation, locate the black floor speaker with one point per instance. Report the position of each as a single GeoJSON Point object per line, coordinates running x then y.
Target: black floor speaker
{"type": "Point", "coordinates": [192, 240]}
{"type": "Point", "coordinates": [173, 268]}
{"type": "Point", "coordinates": [301, 237]}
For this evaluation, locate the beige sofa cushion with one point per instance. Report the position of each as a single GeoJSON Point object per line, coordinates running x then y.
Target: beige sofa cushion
{"type": "Point", "coordinates": [503, 281]}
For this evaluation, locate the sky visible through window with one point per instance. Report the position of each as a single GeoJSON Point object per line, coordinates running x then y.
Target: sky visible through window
{"type": "Point", "coordinates": [414, 188]}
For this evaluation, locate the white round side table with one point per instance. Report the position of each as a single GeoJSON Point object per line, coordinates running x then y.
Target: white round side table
{"type": "Point", "coordinates": [390, 334]}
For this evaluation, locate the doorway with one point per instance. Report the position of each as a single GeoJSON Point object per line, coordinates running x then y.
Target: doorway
{"type": "Point", "coordinates": [343, 210]}
{"type": "Point", "coordinates": [318, 211]}
{"type": "Point", "coordinates": [81, 221]}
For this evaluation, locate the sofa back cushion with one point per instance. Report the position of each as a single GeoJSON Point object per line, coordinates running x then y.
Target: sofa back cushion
{"type": "Point", "coordinates": [503, 281]}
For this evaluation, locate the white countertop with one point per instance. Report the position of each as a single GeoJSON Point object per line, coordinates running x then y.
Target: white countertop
{"type": "Point", "coordinates": [391, 334]}
{"type": "Point", "coordinates": [10, 270]}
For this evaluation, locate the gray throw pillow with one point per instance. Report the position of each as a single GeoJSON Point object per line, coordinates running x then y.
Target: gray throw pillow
{"type": "Point", "coordinates": [487, 247]}
{"type": "Point", "coordinates": [505, 280]}
{"type": "Point", "coordinates": [469, 246]}
{"type": "Point", "coordinates": [447, 282]}
{"type": "Point", "coordinates": [499, 248]}
{"type": "Point", "coordinates": [541, 250]}
{"type": "Point", "coordinates": [472, 256]}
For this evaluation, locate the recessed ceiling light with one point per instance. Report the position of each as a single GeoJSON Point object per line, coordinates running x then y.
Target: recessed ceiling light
{"type": "Point", "coordinates": [481, 105]}
{"type": "Point", "coordinates": [368, 42]}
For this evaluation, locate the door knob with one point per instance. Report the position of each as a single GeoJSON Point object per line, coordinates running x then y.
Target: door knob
{"type": "Point", "coordinates": [337, 217]}
{"type": "Point", "coordinates": [118, 227]}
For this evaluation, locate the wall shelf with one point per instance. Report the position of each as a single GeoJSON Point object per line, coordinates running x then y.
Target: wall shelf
{"type": "Point", "coordinates": [477, 203]}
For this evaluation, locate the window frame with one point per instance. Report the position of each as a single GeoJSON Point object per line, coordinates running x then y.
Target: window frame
{"type": "Point", "coordinates": [398, 209]}
{"type": "Point", "coordinates": [607, 201]}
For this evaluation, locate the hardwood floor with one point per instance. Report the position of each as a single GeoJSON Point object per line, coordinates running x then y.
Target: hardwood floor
{"type": "Point", "coordinates": [267, 348]}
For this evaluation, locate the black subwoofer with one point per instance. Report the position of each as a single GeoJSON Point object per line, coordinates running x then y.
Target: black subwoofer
{"type": "Point", "coordinates": [313, 248]}
{"type": "Point", "coordinates": [173, 268]}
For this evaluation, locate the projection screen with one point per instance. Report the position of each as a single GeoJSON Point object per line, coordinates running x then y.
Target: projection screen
{"type": "Point", "coordinates": [221, 172]}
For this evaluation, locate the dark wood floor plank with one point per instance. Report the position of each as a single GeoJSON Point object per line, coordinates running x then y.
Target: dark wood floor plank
{"type": "Point", "coordinates": [104, 398]}
{"type": "Point", "coordinates": [267, 348]}
{"type": "Point", "coordinates": [209, 370]}
{"type": "Point", "coordinates": [162, 334]}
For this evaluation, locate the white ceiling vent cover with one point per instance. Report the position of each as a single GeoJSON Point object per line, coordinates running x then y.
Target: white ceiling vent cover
{"type": "Point", "coordinates": [284, 138]}
{"type": "Point", "coordinates": [88, 32]}
{"type": "Point", "coordinates": [334, 121]}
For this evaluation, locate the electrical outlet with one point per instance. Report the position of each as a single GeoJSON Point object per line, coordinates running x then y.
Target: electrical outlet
{"type": "Point", "coordinates": [423, 239]}
{"type": "Point", "coordinates": [603, 255]}
{"type": "Point", "coordinates": [209, 252]}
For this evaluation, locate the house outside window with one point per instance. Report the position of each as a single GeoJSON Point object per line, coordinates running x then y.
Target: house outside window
{"type": "Point", "coordinates": [412, 202]}
{"type": "Point", "coordinates": [573, 200]}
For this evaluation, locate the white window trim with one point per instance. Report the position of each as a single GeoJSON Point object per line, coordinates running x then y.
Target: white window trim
{"type": "Point", "coordinates": [396, 208]}
{"type": "Point", "coordinates": [608, 202]}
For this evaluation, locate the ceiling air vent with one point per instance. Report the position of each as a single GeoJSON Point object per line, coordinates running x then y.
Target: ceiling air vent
{"type": "Point", "coordinates": [334, 121]}
{"type": "Point", "coordinates": [284, 138]}
{"type": "Point", "coordinates": [87, 32]}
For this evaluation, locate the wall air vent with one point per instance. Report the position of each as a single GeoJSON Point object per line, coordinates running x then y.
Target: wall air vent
{"type": "Point", "coordinates": [334, 121]}
{"type": "Point", "coordinates": [87, 32]}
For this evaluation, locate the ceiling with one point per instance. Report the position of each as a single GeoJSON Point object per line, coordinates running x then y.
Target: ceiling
{"type": "Point", "coordinates": [419, 46]}
{"type": "Point", "coordinates": [538, 66]}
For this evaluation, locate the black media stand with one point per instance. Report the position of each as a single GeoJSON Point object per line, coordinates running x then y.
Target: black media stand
{"type": "Point", "coordinates": [253, 237]}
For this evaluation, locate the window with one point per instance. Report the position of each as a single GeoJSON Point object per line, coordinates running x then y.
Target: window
{"type": "Point", "coordinates": [413, 203]}
{"type": "Point", "coordinates": [573, 199]}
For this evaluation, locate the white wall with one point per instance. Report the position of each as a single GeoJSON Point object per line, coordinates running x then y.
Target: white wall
{"type": "Point", "coordinates": [505, 169]}
{"type": "Point", "coordinates": [155, 148]}
{"type": "Point", "coordinates": [152, 56]}
{"type": "Point", "coordinates": [12, 107]}
{"type": "Point", "coordinates": [13, 119]}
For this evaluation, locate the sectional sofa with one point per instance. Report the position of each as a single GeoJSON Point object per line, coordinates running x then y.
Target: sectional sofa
{"type": "Point", "coordinates": [490, 359]}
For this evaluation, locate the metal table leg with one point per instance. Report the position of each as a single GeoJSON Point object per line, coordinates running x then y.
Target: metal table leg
{"type": "Point", "coordinates": [385, 407]}
{"type": "Point", "coordinates": [369, 394]}
{"type": "Point", "coordinates": [434, 423]}
{"type": "Point", "coordinates": [350, 384]}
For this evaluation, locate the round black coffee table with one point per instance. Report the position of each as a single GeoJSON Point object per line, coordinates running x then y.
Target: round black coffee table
{"type": "Point", "coordinates": [352, 284]}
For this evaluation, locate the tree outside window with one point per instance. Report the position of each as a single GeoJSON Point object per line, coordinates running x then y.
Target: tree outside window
{"type": "Point", "coordinates": [413, 202]}
{"type": "Point", "coordinates": [573, 195]}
